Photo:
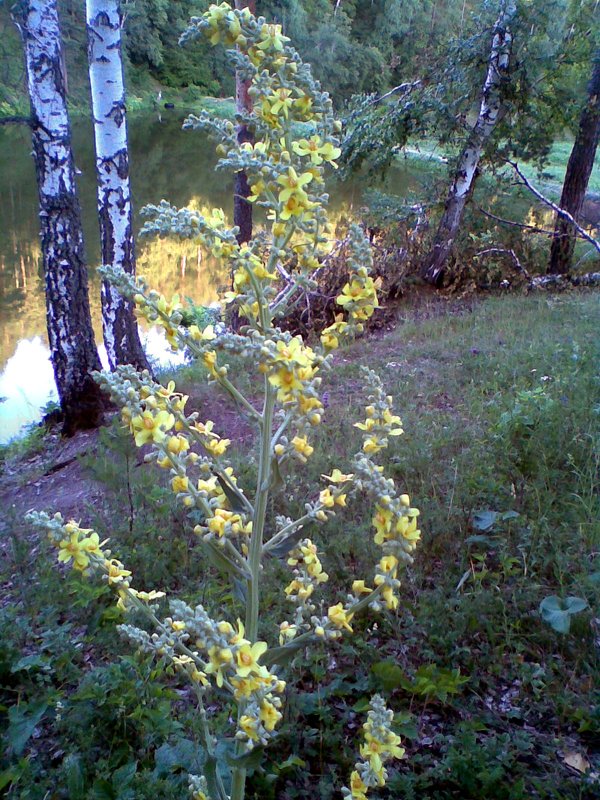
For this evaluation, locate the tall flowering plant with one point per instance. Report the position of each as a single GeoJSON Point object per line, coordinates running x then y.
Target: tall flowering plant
{"type": "Point", "coordinates": [225, 657]}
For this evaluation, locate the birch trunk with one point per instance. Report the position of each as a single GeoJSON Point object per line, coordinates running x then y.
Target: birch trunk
{"type": "Point", "coordinates": [70, 334]}
{"type": "Point", "coordinates": [242, 209]}
{"type": "Point", "coordinates": [490, 112]}
{"type": "Point", "coordinates": [579, 169]}
{"type": "Point", "coordinates": [121, 336]}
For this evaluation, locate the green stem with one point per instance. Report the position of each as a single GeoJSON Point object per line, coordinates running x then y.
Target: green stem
{"type": "Point", "coordinates": [238, 777]}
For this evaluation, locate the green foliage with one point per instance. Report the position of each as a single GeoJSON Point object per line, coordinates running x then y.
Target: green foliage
{"type": "Point", "coordinates": [557, 613]}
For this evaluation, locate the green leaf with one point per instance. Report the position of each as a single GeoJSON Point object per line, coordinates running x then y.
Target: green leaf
{"type": "Point", "coordinates": [557, 612]}
{"type": "Point", "coordinates": [219, 560]}
{"type": "Point", "coordinates": [22, 721]}
{"type": "Point", "coordinates": [484, 520]}
{"type": "Point", "coordinates": [183, 755]}
{"type": "Point", "coordinates": [289, 763]}
{"type": "Point", "coordinates": [233, 497]}
{"type": "Point", "coordinates": [286, 544]}
{"type": "Point", "coordinates": [390, 675]}
{"type": "Point", "coordinates": [124, 775]}
{"type": "Point", "coordinates": [75, 777]}
{"type": "Point", "coordinates": [405, 725]}
{"type": "Point", "coordinates": [250, 760]}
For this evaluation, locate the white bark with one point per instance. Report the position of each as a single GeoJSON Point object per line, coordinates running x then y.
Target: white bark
{"type": "Point", "coordinates": [70, 334]}
{"type": "Point", "coordinates": [112, 165]}
{"type": "Point", "coordinates": [490, 111]}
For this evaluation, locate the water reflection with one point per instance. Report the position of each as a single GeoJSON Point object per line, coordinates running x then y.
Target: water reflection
{"type": "Point", "coordinates": [27, 382]}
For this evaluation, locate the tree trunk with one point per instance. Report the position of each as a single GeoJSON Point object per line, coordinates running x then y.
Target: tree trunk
{"type": "Point", "coordinates": [579, 169]}
{"type": "Point", "coordinates": [120, 328]}
{"type": "Point", "coordinates": [72, 347]}
{"type": "Point", "coordinates": [242, 209]}
{"type": "Point", "coordinates": [490, 112]}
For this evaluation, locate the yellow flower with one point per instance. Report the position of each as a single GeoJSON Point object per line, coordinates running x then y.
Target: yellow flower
{"type": "Point", "coordinates": [205, 335]}
{"type": "Point", "coordinates": [148, 597]}
{"type": "Point", "coordinates": [149, 427]}
{"type": "Point", "coordinates": [269, 715]}
{"type": "Point", "coordinates": [358, 587]}
{"type": "Point", "coordinates": [217, 448]}
{"type": "Point", "coordinates": [302, 446]}
{"type": "Point", "coordinates": [339, 617]}
{"type": "Point", "coordinates": [116, 573]}
{"type": "Point", "coordinates": [358, 787]}
{"type": "Point", "coordinates": [72, 549]}
{"type": "Point", "coordinates": [337, 476]}
{"type": "Point", "coordinates": [382, 522]}
{"type": "Point", "coordinates": [279, 102]}
{"type": "Point", "coordinates": [179, 484]}
{"type": "Point", "coordinates": [329, 340]}
{"type": "Point", "coordinates": [249, 724]}
{"type": "Point", "coordinates": [318, 150]}
{"type": "Point", "coordinates": [287, 632]}
{"type": "Point", "coordinates": [271, 38]}
{"type": "Point", "coordinates": [326, 498]}
{"type": "Point", "coordinates": [218, 659]}
{"type": "Point", "coordinates": [286, 382]}
{"type": "Point", "coordinates": [247, 658]}
{"type": "Point", "coordinates": [177, 444]}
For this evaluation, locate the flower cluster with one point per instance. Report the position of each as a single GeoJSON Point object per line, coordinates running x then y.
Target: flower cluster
{"type": "Point", "coordinates": [381, 745]}
{"type": "Point", "coordinates": [270, 273]}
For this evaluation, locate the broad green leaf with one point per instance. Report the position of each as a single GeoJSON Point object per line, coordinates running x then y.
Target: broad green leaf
{"type": "Point", "coordinates": [22, 721]}
{"type": "Point", "coordinates": [484, 520]}
{"type": "Point", "coordinates": [557, 612]}
{"type": "Point", "coordinates": [75, 776]}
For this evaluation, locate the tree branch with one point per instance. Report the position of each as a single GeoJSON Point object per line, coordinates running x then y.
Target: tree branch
{"type": "Point", "coordinates": [523, 225]}
{"type": "Point", "coordinates": [405, 87]}
{"type": "Point", "coordinates": [557, 209]}
{"type": "Point", "coordinates": [509, 252]}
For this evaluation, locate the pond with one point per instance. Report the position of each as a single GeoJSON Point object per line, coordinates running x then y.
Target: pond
{"type": "Point", "coordinates": [166, 162]}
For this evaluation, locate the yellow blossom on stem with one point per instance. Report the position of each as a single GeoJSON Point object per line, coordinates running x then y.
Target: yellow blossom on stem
{"type": "Point", "coordinates": [148, 427]}
{"type": "Point", "coordinates": [339, 617]}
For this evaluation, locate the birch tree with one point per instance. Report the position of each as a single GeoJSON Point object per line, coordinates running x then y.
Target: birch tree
{"type": "Point", "coordinates": [70, 334]}
{"type": "Point", "coordinates": [117, 245]}
{"type": "Point", "coordinates": [579, 169]}
{"type": "Point", "coordinates": [490, 112]}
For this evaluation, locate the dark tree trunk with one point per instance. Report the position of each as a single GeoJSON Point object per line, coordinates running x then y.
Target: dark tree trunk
{"type": "Point", "coordinates": [242, 209]}
{"type": "Point", "coordinates": [579, 169]}
{"type": "Point", "coordinates": [72, 346]}
{"type": "Point", "coordinates": [490, 112]}
{"type": "Point", "coordinates": [121, 335]}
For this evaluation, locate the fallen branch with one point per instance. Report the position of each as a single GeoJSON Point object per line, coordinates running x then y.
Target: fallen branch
{"type": "Point", "coordinates": [557, 209]}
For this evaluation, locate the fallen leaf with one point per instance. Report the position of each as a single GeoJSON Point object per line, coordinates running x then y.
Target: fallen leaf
{"type": "Point", "coordinates": [576, 761]}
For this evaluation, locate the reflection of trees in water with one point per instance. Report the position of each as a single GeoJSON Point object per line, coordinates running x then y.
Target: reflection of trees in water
{"type": "Point", "coordinates": [166, 162]}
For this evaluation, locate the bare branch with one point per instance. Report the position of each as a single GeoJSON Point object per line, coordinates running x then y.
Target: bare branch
{"type": "Point", "coordinates": [557, 209]}
{"type": "Point", "coordinates": [509, 252]}
{"type": "Point", "coordinates": [512, 223]}
{"type": "Point", "coordinates": [403, 87]}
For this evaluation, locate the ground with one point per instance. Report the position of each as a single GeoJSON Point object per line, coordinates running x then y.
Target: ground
{"type": "Point", "coordinates": [500, 453]}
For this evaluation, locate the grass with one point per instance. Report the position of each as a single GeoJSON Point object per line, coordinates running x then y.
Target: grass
{"type": "Point", "coordinates": [500, 401]}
